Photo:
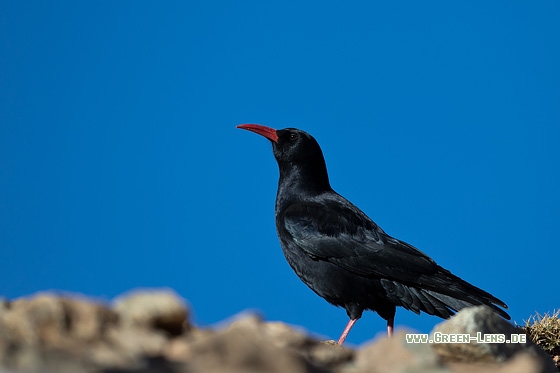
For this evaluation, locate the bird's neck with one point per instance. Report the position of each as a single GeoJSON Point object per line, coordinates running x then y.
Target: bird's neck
{"type": "Point", "coordinates": [299, 182]}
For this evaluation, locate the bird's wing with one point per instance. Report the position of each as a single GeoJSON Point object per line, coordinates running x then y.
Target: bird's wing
{"type": "Point", "coordinates": [337, 231]}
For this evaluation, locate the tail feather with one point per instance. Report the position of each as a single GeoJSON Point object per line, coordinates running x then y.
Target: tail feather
{"type": "Point", "coordinates": [441, 294]}
{"type": "Point", "coordinates": [458, 304]}
{"type": "Point", "coordinates": [457, 294]}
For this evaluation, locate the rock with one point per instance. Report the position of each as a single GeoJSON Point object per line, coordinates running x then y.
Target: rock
{"type": "Point", "coordinates": [52, 333]}
{"type": "Point", "coordinates": [137, 341]}
{"type": "Point", "coordinates": [28, 359]}
{"type": "Point", "coordinates": [294, 341]}
{"type": "Point", "coordinates": [87, 321]}
{"type": "Point", "coordinates": [162, 309]}
{"type": "Point", "coordinates": [482, 320]}
{"type": "Point", "coordinates": [329, 355]}
{"type": "Point", "coordinates": [521, 363]}
{"type": "Point", "coordinates": [243, 347]}
{"type": "Point", "coordinates": [106, 356]}
{"type": "Point", "coordinates": [178, 350]}
{"type": "Point", "coordinates": [284, 335]}
{"type": "Point", "coordinates": [52, 321]}
{"type": "Point", "coordinates": [38, 320]}
{"type": "Point", "coordinates": [148, 332]}
{"type": "Point", "coordinates": [396, 355]}
{"type": "Point", "coordinates": [47, 332]}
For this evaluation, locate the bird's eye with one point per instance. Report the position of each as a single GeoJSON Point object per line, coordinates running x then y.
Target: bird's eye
{"type": "Point", "coordinates": [293, 136]}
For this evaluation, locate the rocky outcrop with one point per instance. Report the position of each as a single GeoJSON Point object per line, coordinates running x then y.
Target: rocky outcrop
{"type": "Point", "coordinates": [485, 329]}
{"type": "Point", "coordinates": [149, 331]}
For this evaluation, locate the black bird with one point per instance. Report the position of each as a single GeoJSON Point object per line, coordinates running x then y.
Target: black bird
{"type": "Point", "coordinates": [343, 256]}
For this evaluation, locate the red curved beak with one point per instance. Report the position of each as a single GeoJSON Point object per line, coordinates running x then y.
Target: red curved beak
{"type": "Point", "coordinates": [269, 133]}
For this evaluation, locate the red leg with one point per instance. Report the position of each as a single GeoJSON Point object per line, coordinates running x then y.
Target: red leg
{"type": "Point", "coordinates": [390, 324]}
{"type": "Point", "coordinates": [346, 331]}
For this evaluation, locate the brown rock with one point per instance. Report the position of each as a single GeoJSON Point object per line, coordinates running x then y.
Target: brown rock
{"type": "Point", "coordinates": [283, 335]}
{"type": "Point", "coordinates": [325, 354]}
{"type": "Point", "coordinates": [52, 321]}
{"type": "Point", "coordinates": [395, 355]}
{"type": "Point", "coordinates": [40, 319]}
{"type": "Point", "coordinates": [178, 350]}
{"type": "Point", "coordinates": [161, 309]}
{"type": "Point", "coordinates": [482, 320]}
{"type": "Point", "coordinates": [146, 332]}
{"type": "Point", "coordinates": [137, 341]}
{"type": "Point", "coordinates": [36, 360]}
{"type": "Point", "coordinates": [47, 333]}
{"type": "Point", "coordinates": [107, 356]}
{"type": "Point", "coordinates": [87, 321]}
{"type": "Point", "coordinates": [243, 347]}
{"type": "Point", "coordinates": [520, 363]}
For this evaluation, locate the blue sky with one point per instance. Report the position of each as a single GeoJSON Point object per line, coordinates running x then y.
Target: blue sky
{"type": "Point", "coordinates": [121, 167]}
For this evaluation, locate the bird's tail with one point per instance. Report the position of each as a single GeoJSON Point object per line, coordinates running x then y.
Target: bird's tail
{"type": "Point", "coordinates": [455, 294]}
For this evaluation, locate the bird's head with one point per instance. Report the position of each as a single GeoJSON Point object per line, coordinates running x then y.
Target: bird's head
{"type": "Point", "coordinates": [289, 145]}
{"type": "Point", "coordinates": [295, 151]}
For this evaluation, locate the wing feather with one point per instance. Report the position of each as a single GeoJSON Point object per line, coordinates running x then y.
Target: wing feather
{"type": "Point", "coordinates": [334, 232]}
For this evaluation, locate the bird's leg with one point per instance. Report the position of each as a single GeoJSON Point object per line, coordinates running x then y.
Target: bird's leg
{"type": "Point", "coordinates": [346, 331]}
{"type": "Point", "coordinates": [390, 324]}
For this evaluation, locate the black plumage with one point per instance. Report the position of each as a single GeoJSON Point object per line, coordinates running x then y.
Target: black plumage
{"type": "Point", "coordinates": [343, 256]}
